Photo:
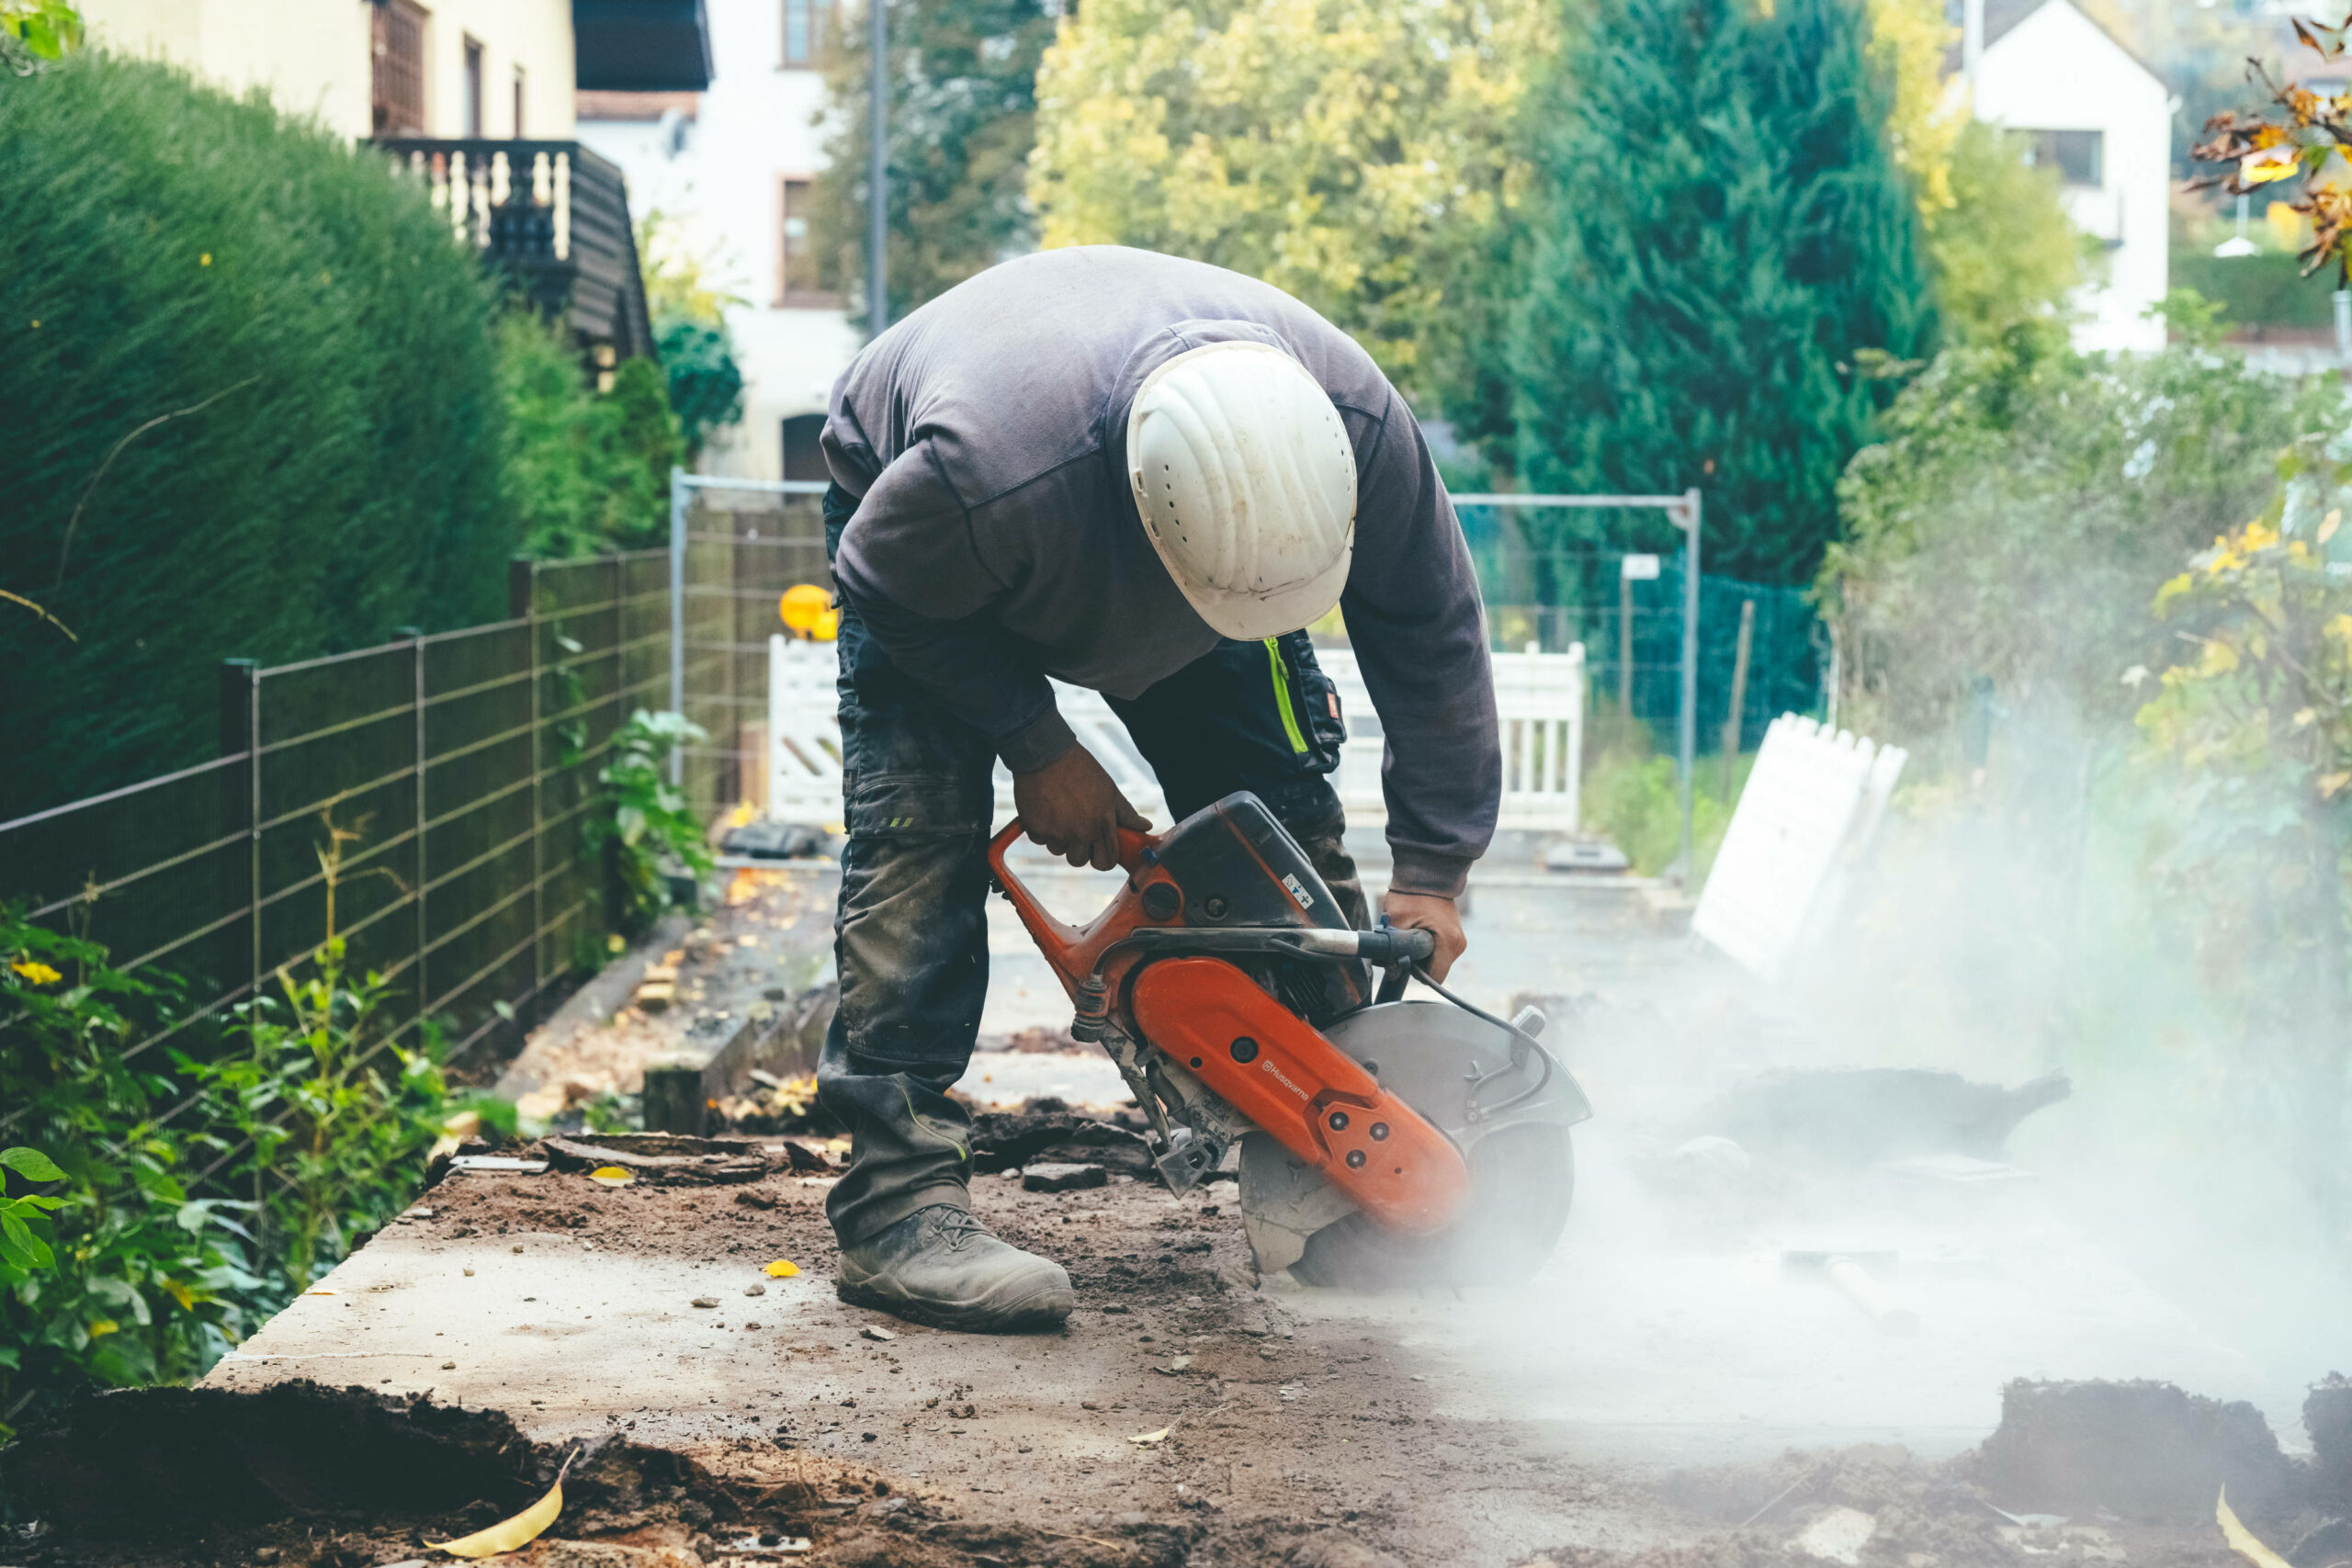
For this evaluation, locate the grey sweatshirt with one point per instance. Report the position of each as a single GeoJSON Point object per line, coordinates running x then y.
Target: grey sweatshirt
{"type": "Point", "coordinates": [996, 540]}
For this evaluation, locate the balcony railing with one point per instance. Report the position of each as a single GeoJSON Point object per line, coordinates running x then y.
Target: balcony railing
{"type": "Point", "coordinates": [553, 217]}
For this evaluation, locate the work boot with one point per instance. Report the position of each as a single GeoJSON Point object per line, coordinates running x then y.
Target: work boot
{"type": "Point", "coordinates": [939, 1265]}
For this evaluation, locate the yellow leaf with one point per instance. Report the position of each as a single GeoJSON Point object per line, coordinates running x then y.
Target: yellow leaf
{"type": "Point", "coordinates": [2270, 163]}
{"type": "Point", "coordinates": [33, 969]}
{"type": "Point", "coordinates": [2329, 524]}
{"type": "Point", "coordinates": [2241, 1539]}
{"type": "Point", "coordinates": [2220, 658]}
{"type": "Point", "coordinates": [2305, 717]}
{"type": "Point", "coordinates": [614, 943]}
{"type": "Point", "coordinates": [1145, 1439]}
{"type": "Point", "coordinates": [2331, 782]}
{"type": "Point", "coordinates": [519, 1531]}
{"type": "Point", "coordinates": [782, 1269]}
{"type": "Point", "coordinates": [180, 1293]}
{"type": "Point", "coordinates": [103, 1326]}
{"type": "Point", "coordinates": [611, 1176]}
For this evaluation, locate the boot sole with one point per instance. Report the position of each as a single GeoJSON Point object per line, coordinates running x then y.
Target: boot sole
{"type": "Point", "coordinates": [1043, 1307]}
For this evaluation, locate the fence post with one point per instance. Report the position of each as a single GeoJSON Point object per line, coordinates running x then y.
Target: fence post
{"type": "Point", "coordinates": [1687, 725]}
{"type": "Point", "coordinates": [523, 605]}
{"type": "Point", "coordinates": [414, 638]}
{"type": "Point", "coordinates": [678, 494]}
{"type": "Point", "coordinates": [241, 731]}
{"type": "Point", "coordinates": [1738, 690]}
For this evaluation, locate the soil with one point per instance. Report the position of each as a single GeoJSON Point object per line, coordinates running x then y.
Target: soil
{"type": "Point", "coordinates": [1284, 1440]}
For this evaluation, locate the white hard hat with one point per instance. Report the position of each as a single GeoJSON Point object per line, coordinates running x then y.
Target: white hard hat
{"type": "Point", "coordinates": [1247, 485]}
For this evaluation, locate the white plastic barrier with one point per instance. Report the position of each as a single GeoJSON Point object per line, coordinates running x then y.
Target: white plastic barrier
{"type": "Point", "coordinates": [1538, 698]}
{"type": "Point", "coordinates": [1812, 806]}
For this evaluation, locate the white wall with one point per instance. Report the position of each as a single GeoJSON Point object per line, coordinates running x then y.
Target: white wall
{"type": "Point", "coordinates": [2058, 71]}
{"type": "Point", "coordinates": [721, 193]}
{"type": "Point", "coordinates": [313, 56]}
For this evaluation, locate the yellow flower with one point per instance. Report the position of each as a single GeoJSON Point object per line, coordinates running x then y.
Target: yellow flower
{"type": "Point", "coordinates": [103, 1326]}
{"type": "Point", "coordinates": [33, 969]}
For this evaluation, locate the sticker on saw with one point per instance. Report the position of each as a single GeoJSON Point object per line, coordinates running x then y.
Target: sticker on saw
{"type": "Point", "coordinates": [1298, 891]}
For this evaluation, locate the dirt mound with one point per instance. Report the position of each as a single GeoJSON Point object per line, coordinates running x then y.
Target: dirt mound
{"type": "Point", "coordinates": [2142, 1451]}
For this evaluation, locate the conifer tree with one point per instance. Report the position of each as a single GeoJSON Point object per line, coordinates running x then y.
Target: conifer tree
{"type": "Point", "coordinates": [1725, 261]}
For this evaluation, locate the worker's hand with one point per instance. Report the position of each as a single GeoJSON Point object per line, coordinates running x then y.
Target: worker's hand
{"type": "Point", "coordinates": [1430, 913]}
{"type": "Point", "coordinates": [1071, 806]}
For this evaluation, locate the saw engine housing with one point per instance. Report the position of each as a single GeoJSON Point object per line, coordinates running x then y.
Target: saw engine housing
{"type": "Point", "coordinates": [1240, 1004]}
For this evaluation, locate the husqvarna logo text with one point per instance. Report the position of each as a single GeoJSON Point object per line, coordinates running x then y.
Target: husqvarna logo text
{"type": "Point", "coordinates": [1279, 1078]}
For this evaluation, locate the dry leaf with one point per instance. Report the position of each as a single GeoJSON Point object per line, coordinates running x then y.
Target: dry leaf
{"type": "Point", "coordinates": [611, 1176]}
{"type": "Point", "coordinates": [2241, 1539]}
{"type": "Point", "coordinates": [1145, 1439]}
{"type": "Point", "coordinates": [782, 1269]}
{"type": "Point", "coordinates": [519, 1531]}
{"type": "Point", "coordinates": [876, 1331]}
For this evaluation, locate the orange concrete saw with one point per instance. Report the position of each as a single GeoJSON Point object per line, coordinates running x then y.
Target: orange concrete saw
{"type": "Point", "coordinates": [1382, 1142]}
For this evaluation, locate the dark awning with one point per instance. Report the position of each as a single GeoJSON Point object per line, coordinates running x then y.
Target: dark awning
{"type": "Point", "coordinates": [641, 46]}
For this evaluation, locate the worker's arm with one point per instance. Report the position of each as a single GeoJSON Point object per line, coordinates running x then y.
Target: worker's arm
{"type": "Point", "coordinates": [907, 567]}
{"type": "Point", "coordinates": [1414, 620]}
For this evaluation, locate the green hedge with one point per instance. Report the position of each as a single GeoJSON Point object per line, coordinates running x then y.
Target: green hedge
{"type": "Point", "coordinates": [163, 246]}
{"type": "Point", "coordinates": [2265, 290]}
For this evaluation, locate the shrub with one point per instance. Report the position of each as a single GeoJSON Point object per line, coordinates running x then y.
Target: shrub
{"type": "Point", "coordinates": [252, 411]}
{"type": "Point", "coordinates": [587, 470]}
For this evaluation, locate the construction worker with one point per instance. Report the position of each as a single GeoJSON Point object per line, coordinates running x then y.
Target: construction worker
{"type": "Point", "coordinates": [1146, 476]}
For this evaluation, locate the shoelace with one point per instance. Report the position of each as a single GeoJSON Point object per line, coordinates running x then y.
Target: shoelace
{"type": "Point", "coordinates": [956, 1226]}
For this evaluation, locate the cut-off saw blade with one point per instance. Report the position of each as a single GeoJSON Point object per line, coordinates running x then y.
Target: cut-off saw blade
{"type": "Point", "coordinates": [1507, 1106]}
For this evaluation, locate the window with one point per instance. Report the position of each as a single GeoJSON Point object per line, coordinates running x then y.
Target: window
{"type": "Point", "coordinates": [2079, 156]}
{"type": "Point", "coordinates": [473, 89]}
{"type": "Point", "coordinates": [804, 32]}
{"type": "Point", "coordinates": [518, 103]}
{"type": "Point", "coordinates": [803, 457]}
{"type": "Point", "coordinates": [396, 68]}
{"type": "Point", "coordinates": [802, 278]}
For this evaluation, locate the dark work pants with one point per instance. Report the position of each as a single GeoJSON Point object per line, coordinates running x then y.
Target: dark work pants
{"type": "Point", "coordinates": [911, 939]}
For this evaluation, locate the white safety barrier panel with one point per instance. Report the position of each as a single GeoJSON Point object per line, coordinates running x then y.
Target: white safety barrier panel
{"type": "Point", "coordinates": [1810, 809]}
{"type": "Point", "coordinates": [1539, 705]}
{"type": "Point", "coordinates": [1539, 698]}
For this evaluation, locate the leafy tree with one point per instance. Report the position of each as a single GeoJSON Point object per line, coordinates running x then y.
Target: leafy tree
{"type": "Point", "coordinates": [1723, 254]}
{"type": "Point", "coordinates": [690, 334]}
{"type": "Point", "coordinates": [1361, 156]}
{"type": "Point", "coordinates": [962, 108]}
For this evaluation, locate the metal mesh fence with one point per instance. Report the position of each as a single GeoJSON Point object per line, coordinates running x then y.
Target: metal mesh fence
{"type": "Point", "coordinates": [461, 763]}
{"type": "Point", "coordinates": [1555, 578]}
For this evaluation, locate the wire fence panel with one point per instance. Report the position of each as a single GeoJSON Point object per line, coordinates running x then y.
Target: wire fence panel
{"type": "Point", "coordinates": [437, 791]}
{"type": "Point", "coordinates": [744, 548]}
{"type": "Point", "coordinates": [1553, 577]}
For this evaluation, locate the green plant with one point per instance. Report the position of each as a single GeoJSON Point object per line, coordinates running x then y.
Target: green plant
{"type": "Point", "coordinates": [587, 471]}
{"type": "Point", "coordinates": [330, 1114]}
{"type": "Point", "coordinates": [646, 819]}
{"type": "Point", "coordinates": [696, 351]}
{"type": "Point", "coordinates": [251, 376]}
{"type": "Point", "coordinates": [1630, 797]}
{"type": "Point", "coordinates": [143, 1281]}
{"type": "Point", "coordinates": [34, 32]}
{"type": "Point", "coordinates": [22, 1244]}
{"type": "Point", "coordinates": [1725, 262]}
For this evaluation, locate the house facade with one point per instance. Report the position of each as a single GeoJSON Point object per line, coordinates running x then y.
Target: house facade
{"type": "Point", "coordinates": [453, 68]}
{"type": "Point", "coordinates": [730, 171]}
{"type": "Point", "coordinates": [475, 97]}
{"type": "Point", "coordinates": [2098, 115]}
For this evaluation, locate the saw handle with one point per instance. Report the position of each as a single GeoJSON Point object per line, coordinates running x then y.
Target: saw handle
{"type": "Point", "coordinates": [1412, 947]}
{"type": "Point", "coordinates": [1052, 936]}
